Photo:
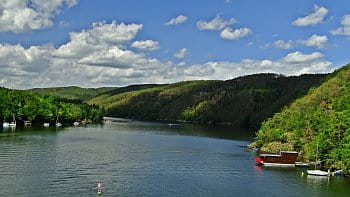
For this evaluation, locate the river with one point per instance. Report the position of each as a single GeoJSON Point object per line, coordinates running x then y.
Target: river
{"type": "Point", "coordinates": [134, 158]}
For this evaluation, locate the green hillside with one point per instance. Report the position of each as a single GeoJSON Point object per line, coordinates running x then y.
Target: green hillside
{"type": "Point", "coordinates": [241, 102]}
{"type": "Point", "coordinates": [321, 118]}
{"type": "Point", "coordinates": [73, 92]}
{"type": "Point", "coordinates": [26, 105]}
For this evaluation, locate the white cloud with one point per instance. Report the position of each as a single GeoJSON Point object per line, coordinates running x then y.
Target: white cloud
{"type": "Point", "coordinates": [100, 37]}
{"type": "Point", "coordinates": [146, 45]}
{"type": "Point", "coordinates": [113, 33]}
{"type": "Point", "coordinates": [316, 41]}
{"type": "Point", "coordinates": [22, 16]}
{"type": "Point", "coordinates": [180, 54]}
{"type": "Point", "coordinates": [236, 34]}
{"type": "Point", "coordinates": [177, 20]}
{"type": "Point", "coordinates": [295, 63]}
{"type": "Point", "coordinates": [114, 57]}
{"type": "Point", "coordinates": [249, 44]}
{"type": "Point", "coordinates": [316, 17]}
{"type": "Point", "coordinates": [16, 58]}
{"type": "Point", "coordinates": [93, 58]}
{"type": "Point", "coordinates": [281, 44]}
{"type": "Point", "coordinates": [216, 24]}
{"type": "Point", "coordinates": [298, 57]}
{"type": "Point", "coordinates": [345, 28]}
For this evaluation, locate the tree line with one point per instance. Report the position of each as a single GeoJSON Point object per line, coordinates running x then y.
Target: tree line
{"type": "Point", "coordinates": [29, 106]}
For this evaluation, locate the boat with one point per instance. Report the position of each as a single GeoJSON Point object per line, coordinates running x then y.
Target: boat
{"type": "Point", "coordinates": [46, 124]}
{"type": "Point", "coordinates": [5, 124]}
{"type": "Point", "coordinates": [27, 123]}
{"type": "Point", "coordinates": [58, 124]}
{"type": "Point", "coordinates": [338, 172]}
{"type": "Point", "coordinates": [13, 123]}
{"type": "Point", "coordinates": [84, 122]}
{"type": "Point", "coordinates": [99, 188]}
{"type": "Point", "coordinates": [76, 124]}
{"type": "Point", "coordinates": [318, 172]}
{"type": "Point", "coordinates": [283, 159]}
{"type": "Point", "coordinates": [172, 124]}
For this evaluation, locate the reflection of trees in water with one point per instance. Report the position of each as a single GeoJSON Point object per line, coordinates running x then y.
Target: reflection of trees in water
{"type": "Point", "coordinates": [182, 129]}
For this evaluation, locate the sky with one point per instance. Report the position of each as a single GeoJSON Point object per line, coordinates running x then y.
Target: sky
{"type": "Point", "coordinates": [95, 43]}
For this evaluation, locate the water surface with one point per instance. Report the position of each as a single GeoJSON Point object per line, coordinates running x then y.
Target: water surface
{"type": "Point", "coordinates": [145, 159]}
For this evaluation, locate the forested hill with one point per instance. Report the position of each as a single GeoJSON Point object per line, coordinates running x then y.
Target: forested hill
{"type": "Point", "coordinates": [241, 102]}
{"type": "Point", "coordinates": [26, 105]}
{"type": "Point", "coordinates": [73, 92]}
{"type": "Point", "coordinates": [319, 119]}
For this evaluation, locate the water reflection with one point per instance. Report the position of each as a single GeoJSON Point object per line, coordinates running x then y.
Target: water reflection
{"type": "Point", "coordinates": [182, 129]}
{"type": "Point", "coordinates": [145, 159]}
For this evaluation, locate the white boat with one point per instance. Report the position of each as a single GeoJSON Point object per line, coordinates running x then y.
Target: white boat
{"type": "Point", "coordinates": [13, 123]}
{"type": "Point", "coordinates": [318, 172]}
{"type": "Point", "coordinates": [58, 124]}
{"type": "Point", "coordinates": [5, 124]}
{"type": "Point", "coordinates": [46, 124]}
{"type": "Point", "coordinates": [27, 123]}
{"type": "Point", "coordinates": [76, 124]}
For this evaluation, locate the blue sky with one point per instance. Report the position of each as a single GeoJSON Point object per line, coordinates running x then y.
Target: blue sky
{"type": "Point", "coordinates": [219, 39]}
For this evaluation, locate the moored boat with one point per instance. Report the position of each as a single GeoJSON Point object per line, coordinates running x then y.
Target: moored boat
{"type": "Point", "coordinates": [46, 124]}
{"type": "Point", "coordinates": [318, 173]}
{"type": "Point", "coordinates": [5, 124]}
{"type": "Point", "coordinates": [13, 123]}
{"type": "Point", "coordinates": [27, 123]}
{"type": "Point", "coordinates": [283, 159]}
{"type": "Point", "coordinates": [58, 124]}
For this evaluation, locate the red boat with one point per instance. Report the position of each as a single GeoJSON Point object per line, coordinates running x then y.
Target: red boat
{"type": "Point", "coordinates": [283, 159]}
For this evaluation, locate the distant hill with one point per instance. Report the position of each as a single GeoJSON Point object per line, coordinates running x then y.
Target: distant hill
{"type": "Point", "coordinates": [241, 102]}
{"type": "Point", "coordinates": [319, 119]}
{"type": "Point", "coordinates": [73, 92]}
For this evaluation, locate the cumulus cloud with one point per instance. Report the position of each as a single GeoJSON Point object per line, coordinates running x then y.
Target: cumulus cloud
{"type": "Point", "coordinates": [146, 45]}
{"type": "Point", "coordinates": [216, 24]}
{"type": "Point", "coordinates": [345, 28]}
{"type": "Point", "coordinates": [236, 34]}
{"type": "Point", "coordinates": [177, 20]}
{"type": "Point", "coordinates": [316, 17]}
{"type": "Point", "coordinates": [100, 37]}
{"type": "Point", "coordinates": [22, 16]}
{"type": "Point", "coordinates": [282, 44]}
{"type": "Point", "coordinates": [180, 54]}
{"type": "Point", "coordinates": [99, 57]}
{"type": "Point", "coordinates": [316, 41]}
{"type": "Point", "coordinates": [299, 57]}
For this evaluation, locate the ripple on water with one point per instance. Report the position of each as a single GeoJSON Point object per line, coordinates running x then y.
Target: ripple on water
{"type": "Point", "coordinates": [136, 160]}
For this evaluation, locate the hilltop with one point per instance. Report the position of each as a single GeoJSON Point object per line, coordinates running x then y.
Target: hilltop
{"type": "Point", "coordinates": [241, 102]}
{"type": "Point", "coordinates": [73, 92]}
